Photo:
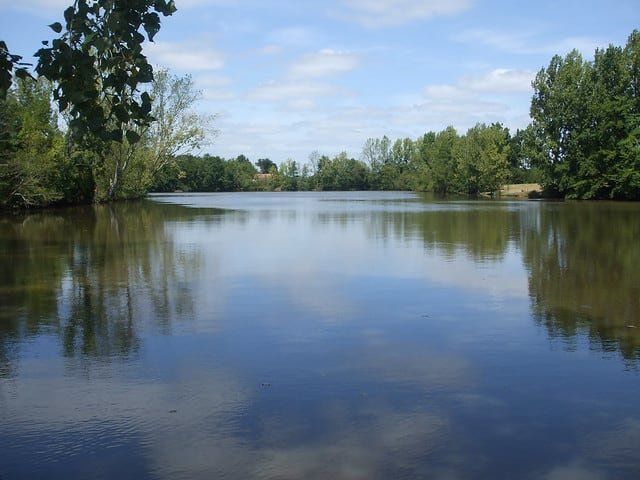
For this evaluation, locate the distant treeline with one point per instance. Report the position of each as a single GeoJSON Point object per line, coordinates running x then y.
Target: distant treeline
{"type": "Point", "coordinates": [482, 160]}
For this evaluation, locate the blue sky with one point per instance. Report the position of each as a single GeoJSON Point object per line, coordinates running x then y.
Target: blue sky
{"type": "Point", "coordinates": [286, 78]}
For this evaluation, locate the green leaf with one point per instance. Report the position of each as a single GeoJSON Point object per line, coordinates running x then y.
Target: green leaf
{"type": "Point", "coordinates": [132, 137]}
{"type": "Point", "coordinates": [121, 113]}
{"type": "Point", "coordinates": [115, 135]}
{"type": "Point", "coordinates": [56, 27]}
{"type": "Point", "coordinates": [69, 14]}
{"type": "Point", "coordinates": [22, 74]}
{"type": "Point", "coordinates": [151, 24]}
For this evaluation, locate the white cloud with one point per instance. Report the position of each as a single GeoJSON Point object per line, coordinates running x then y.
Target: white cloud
{"type": "Point", "coordinates": [311, 114]}
{"type": "Point", "coordinates": [300, 88]}
{"type": "Point", "coordinates": [323, 63]}
{"type": "Point", "coordinates": [190, 56]}
{"type": "Point", "coordinates": [294, 92]}
{"type": "Point", "coordinates": [498, 95]}
{"type": "Point", "coordinates": [386, 13]}
{"type": "Point", "coordinates": [435, 113]}
{"type": "Point", "coordinates": [508, 41]}
{"type": "Point", "coordinates": [497, 82]}
{"type": "Point", "coordinates": [500, 80]}
{"type": "Point", "coordinates": [214, 87]}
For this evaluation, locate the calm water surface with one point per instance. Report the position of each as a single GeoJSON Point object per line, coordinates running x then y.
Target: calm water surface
{"type": "Point", "coordinates": [320, 335]}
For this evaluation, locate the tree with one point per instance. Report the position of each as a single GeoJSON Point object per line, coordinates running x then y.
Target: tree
{"type": "Point", "coordinates": [586, 123]}
{"type": "Point", "coordinates": [266, 166]}
{"type": "Point", "coordinates": [238, 175]}
{"type": "Point", "coordinates": [128, 169]}
{"type": "Point", "coordinates": [611, 167]}
{"type": "Point", "coordinates": [423, 153]}
{"type": "Point", "coordinates": [342, 173]}
{"type": "Point", "coordinates": [558, 113]}
{"type": "Point", "coordinates": [97, 65]}
{"type": "Point", "coordinates": [481, 159]}
{"type": "Point", "coordinates": [377, 153]}
{"type": "Point", "coordinates": [441, 161]}
{"type": "Point", "coordinates": [523, 153]}
{"type": "Point", "coordinates": [31, 167]}
{"type": "Point", "coordinates": [176, 128]}
{"type": "Point", "coordinates": [288, 174]}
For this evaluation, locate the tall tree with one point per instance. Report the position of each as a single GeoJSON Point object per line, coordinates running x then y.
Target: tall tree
{"type": "Point", "coordinates": [441, 161]}
{"type": "Point", "coordinates": [481, 159]}
{"type": "Point", "coordinates": [558, 113]}
{"type": "Point", "coordinates": [266, 165]}
{"type": "Point", "coordinates": [176, 127]}
{"type": "Point", "coordinates": [586, 123]}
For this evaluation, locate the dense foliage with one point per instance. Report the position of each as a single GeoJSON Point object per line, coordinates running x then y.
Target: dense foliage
{"type": "Point", "coordinates": [444, 162]}
{"type": "Point", "coordinates": [96, 65]}
{"type": "Point", "coordinates": [42, 165]}
{"type": "Point", "coordinates": [99, 78]}
{"type": "Point", "coordinates": [586, 123]}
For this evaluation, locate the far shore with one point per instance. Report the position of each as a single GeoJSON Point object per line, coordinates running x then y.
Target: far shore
{"type": "Point", "coordinates": [520, 190]}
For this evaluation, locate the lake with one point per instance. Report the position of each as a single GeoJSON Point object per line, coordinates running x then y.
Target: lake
{"type": "Point", "coordinates": [321, 336]}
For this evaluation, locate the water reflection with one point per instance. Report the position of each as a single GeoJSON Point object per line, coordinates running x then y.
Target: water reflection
{"type": "Point", "coordinates": [583, 262]}
{"type": "Point", "coordinates": [94, 277]}
{"type": "Point", "coordinates": [319, 336]}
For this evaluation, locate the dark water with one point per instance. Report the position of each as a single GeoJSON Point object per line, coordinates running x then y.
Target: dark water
{"type": "Point", "coordinates": [304, 336]}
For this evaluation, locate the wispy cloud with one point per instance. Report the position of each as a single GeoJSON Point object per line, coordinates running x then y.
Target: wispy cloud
{"type": "Point", "coordinates": [500, 80]}
{"type": "Point", "coordinates": [496, 82]}
{"type": "Point", "coordinates": [296, 94]}
{"type": "Point", "coordinates": [323, 63]}
{"type": "Point", "coordinates": [214, 87]}
{"type": "Point", "coordinates": [304, 80]}
{"type": "Point", "coordinates": [496, 95]}
{"type": "Point", "coordinates": [187, 56]}
{"type": "Point", "coordinates": [389, 13]}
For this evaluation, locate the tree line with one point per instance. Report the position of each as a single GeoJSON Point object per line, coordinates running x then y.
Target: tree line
{"type": "Point", "coordinates": [481, 160]}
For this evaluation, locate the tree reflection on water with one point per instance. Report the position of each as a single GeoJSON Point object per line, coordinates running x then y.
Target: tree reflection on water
{"type": "Point", "coordinates": [93, 276]}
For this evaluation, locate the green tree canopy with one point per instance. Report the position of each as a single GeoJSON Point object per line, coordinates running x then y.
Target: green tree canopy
{"type": "Point", "coordinates": [586, 123]}
{"type": "Point", "coordinates": [96, 65]}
